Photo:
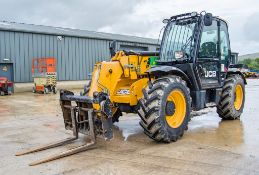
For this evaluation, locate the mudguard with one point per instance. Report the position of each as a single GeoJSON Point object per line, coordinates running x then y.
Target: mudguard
{"type": "Point", "coordinates": [171, 70]}
{"type": "Point", "coordinates": [237, 72]}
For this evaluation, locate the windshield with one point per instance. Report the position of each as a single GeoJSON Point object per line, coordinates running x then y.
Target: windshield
{"type": "Point", "coordinates": [177, 37]}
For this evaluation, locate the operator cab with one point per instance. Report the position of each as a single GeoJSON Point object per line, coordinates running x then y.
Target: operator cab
{"type": "Point", "coordinates": [198, 44]}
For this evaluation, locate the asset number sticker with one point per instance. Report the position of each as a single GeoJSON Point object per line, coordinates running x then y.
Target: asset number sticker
{"type": "Point", "coordinates": [5, 68]}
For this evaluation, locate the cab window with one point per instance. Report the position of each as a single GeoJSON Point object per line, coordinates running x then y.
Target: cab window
{"type": "Point", "coordinates": [209, 41]}
{"type": "Point", "coordinates": [224, 42]}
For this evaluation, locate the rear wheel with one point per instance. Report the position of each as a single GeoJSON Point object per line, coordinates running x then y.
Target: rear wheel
{"type": "Point", "coordinates": [116, 115]}
{"type": "Point", "coordinates": [232, 99]}
{"type": "Point", "coordinates": [165, 109]}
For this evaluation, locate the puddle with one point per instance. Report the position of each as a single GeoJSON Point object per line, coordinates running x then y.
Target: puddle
{"type": "Point", "coordinates": [129, 125]}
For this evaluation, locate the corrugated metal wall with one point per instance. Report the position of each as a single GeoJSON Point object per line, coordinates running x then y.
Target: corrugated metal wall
{"type": "Point", "coordinates": [75, 56]}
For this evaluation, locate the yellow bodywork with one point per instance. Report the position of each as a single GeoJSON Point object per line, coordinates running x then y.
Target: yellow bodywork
{"type": "Point", "coordinates": [123, 78]}
{"type": "Point", "coordinates": [249, 74]}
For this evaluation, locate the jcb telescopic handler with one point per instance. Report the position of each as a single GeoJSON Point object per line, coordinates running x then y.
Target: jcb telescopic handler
{"type": "Point", "coordinates": [189, 73]}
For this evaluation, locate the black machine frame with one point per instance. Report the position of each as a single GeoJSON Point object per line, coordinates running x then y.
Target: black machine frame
{"type": "Point", "coordinates": [191, 69]}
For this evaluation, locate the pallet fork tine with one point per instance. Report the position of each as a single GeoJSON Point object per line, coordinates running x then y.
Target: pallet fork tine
{"type": "Point", "coordinates": [72, 151]}
{"type": "Point", "coordinates": [48, 146]}
{"type": "Point", "coordinates": [75, 150]}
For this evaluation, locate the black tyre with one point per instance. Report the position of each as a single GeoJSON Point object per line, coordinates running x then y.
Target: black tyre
{"type": "Point", "coordinates": [165, 109]}
{"type": "Point", "coordinates": [46, 90]}
{"type": "Point", "coordinates": [33, 89]}
{"type": "Point", "coordinates": [232, 99]}
{"type": "Point", "coordinates": [116, 115]}
{"type": "Point", "coordinates": [54, 90]}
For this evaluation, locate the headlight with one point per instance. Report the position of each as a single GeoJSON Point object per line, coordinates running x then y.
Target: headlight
{"type": "Point", "coordinates": [193, 14]}
{"type": "Point", "coordinates": [178, 54]}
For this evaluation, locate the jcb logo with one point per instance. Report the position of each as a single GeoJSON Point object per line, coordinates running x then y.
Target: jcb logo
{"type": "Point", "coordinates": [210, 74]}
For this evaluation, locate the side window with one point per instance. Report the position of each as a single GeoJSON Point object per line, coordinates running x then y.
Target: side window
{"type": "Point", "coordinates": [224, 42]}
{"type": "Point", "coordinates": [209, 41]}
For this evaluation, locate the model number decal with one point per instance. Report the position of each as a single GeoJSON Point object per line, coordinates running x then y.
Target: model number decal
{"type": "Point", "coordinates": [210, 74]}
{"type": "Point", "coordinates": [123, 92]}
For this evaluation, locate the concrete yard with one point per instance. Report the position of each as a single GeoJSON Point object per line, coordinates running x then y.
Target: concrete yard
{"type": "Point", "coordinates": [210, 146]}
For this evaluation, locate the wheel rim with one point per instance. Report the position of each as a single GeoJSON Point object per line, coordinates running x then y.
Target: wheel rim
{"type": "Point", "coordinates": [238, 97]}
{"type": "Point", "coordinates": [176, 119]}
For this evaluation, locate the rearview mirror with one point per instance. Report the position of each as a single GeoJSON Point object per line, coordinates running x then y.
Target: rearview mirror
{"type": "Point", "coordinates": [207, 19]}
{"type": "Point", "coordinates": [112, 48]}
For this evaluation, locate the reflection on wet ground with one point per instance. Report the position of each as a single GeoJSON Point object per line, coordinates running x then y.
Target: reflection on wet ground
{"type": "Point", "coordinates": [129, 125]}
{"type": "Point", "coordinates": [210, 146]}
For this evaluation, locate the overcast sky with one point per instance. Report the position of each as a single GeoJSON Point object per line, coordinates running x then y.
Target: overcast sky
{"type": "Point", "coordinates": [136, 17]}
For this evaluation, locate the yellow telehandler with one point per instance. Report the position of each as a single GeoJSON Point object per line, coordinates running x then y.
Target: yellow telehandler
{"type": "Point", "coordinates": [189, 73]}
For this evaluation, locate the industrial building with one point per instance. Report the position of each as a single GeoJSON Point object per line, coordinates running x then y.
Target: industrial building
{"type": "Point", "coordinates": [249, 56]}
{"type": "Point", "coordinates": [76, 50]}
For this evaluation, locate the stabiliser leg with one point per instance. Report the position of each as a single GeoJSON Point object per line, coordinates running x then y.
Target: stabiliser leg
{"type": "Point", "coordinates": [78, 149]}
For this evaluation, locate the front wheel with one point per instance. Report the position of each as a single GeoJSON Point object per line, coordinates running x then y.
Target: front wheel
{"type": "Point", "coordinates": [165, 109]}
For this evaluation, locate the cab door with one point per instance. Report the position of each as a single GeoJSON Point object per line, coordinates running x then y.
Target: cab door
{"type": "Point", "coordinates": [208, 63]}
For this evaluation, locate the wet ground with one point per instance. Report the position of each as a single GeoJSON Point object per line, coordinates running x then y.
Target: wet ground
{"type": "Point", "coordinates": [210, 146]}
